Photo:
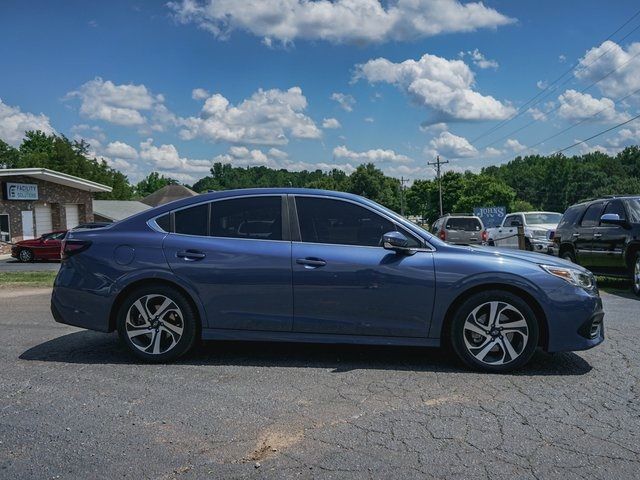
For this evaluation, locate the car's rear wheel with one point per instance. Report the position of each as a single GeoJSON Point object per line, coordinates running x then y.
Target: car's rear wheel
{"type": "Point", "coordinates": [494, 331]}
{"type": "Point", "coordinates": [25, 255]}
{"type": "Point", "coordinates": [157, 324]}
{"type": "Point", "coordinates": [636, 275]}
{"type": "Point", "coordinates": [568, 255]}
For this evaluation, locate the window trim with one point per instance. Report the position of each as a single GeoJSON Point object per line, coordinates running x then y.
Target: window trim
{"type": "Point", "coordinates": [154, 226]}
{"type": "Point", "coordinates": [624, 208]}
{"type": "Point", "coordinates": [426, 246]}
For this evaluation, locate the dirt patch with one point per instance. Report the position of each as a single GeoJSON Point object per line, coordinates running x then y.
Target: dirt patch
{"type": "Point", "coordinates": [274, 441]}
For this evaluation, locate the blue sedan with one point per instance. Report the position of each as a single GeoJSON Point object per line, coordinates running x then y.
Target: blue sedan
{"type": "Point", "coordinates": [298, 265]}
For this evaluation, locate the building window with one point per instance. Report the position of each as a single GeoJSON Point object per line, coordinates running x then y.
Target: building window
{"type": "Point", "coordinates": [5, 234]}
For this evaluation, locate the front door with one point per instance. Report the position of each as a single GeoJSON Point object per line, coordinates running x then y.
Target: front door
{"type": "Point", "coordinates": [27, 225]}
{"type": "Point", "coordinates": [609, 241]}
{"type": "Point", "coordinates": [234, 253]}
{"type": "Point", "coordinates": [344, 282]}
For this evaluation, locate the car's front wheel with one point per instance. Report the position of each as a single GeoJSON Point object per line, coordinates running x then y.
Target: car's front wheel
{"type": "Point", "coordinates": [494, 331]}
{"type": "Point", "coordinates": [636, 275]}
{"type": "Point", "coordinates": [157, 323]}
{"type": "Point", "coordinates": [25, 255]}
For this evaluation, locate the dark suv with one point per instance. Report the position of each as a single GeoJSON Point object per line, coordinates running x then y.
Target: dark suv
{"type": "Point", "coordinates": [604, 236]}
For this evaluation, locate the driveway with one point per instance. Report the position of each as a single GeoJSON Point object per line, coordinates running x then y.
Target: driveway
{"type": "Point", "coordinates": [12, 265]}
{"type": "Point", "coordinates": [73, 404]}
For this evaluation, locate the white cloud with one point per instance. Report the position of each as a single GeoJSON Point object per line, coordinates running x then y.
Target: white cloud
{"type": "Point", "coordinates": [433, 127]}
{"type": "Point", "coordinates": [121, 150]}
{"type": "Point", "coordinates": [375, 155]}
{"type": "Point", "coordinates": [562, 58]}
{"type": "Point", "coordinates": [167, 158]}
{"type": "Point", "coordinates": [127, 104]}
{"type": "Point", "coordinates": [450, 146]}
{"type": "Point", "coordinates": [479, 60]}
{"type": "Point", "coordinates": [338, 21]}
{"type": "Point", "coordinates": [444, 86]}
{"type": "Point", "coordinates": [14, 123]}
{"type": "Point", "coordinates": [369, 119]}
{"type": "Point", "coordinates": [537, 114]}
{"type": "Point", "coordinates": [542, 84]}
{"type": "Point", "coordinates": [346, 102]}
{"type": "Point", "coordinates": [268, 117]}
{"type": "Point", "coordinates": [199, 94]}
{"type": "Point", "coordinates": [330, 123]}
{"type": "Point", "coordinates": [514, 145]}
{"type": "Point", "coordinates": [580, 106]}
{"type": "Point", "coordinates": [600, 61]}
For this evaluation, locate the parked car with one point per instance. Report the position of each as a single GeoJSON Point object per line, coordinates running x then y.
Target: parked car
{"type": "Point", "coordinates": [331, 268]}
{"type": "Point", "coordinates": [536, 231]}
{"type": "Point", "coordinates": [47, 247]}
{"type": "Point", "coordinates": [603, 235]}
{"type": "Point", "coordinates": [460, 229]}
{"type": "Point", "coordinates": [91, 225]}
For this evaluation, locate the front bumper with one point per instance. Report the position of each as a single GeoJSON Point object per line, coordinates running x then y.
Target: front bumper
{"type": "Point", "coordinates": [541, 245]}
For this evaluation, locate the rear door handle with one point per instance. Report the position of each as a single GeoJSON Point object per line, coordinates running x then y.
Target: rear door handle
{"type": "Point", "coordinates": [597, 235]}
{"type": "Point", "coordinates": [575, 235]}
{"type": "Point", "coordinates": [191, 255]}
{"type": "Point", "coordinates": [311, 262]}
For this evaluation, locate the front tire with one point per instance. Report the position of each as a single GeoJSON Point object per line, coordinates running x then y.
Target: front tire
{"type": "Point", "coordinates": [568, 255]}
{"type": "Point", "coordinates": [636, 275]}
{"type": "Point", "coordinates": [25, 255]}
{"type": "Point", "coordinates": [494, 331]}
{"type": "Point", "coordinates": [157, 324]}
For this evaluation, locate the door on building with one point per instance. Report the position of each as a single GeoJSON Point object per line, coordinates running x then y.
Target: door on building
{"type": "Point", "coordinates": [5, 234]}
{"type": "Point", "coordinates": [72, 215]}
{"type": "Point", "coordinates": [44, 223]}
{"type": "Point", "coordinates": [27, 225]}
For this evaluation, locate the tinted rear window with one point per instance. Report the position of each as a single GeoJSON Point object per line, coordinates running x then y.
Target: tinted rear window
{"type": "Point", "coordinates": [258, 218]}
{"type": "Point", "coordinates": [570, 216]}
{"type": "Point", "coordinates": [592, 215]}
{"type": "Point", "coordinates": [633, 207]}
{"type": "Point", "coordinates": [192, 221]}
{"type": "Point", "coordinates": [465, 224]}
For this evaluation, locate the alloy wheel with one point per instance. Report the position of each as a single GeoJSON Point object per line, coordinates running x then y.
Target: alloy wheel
{"type": "Point", "coordinates": [636, 275]}
{"type": "Point", "coordinates": [25, 256]}
{"type": "Point", "coordinates": [496, 333]}
{"type": "Point", "coordinates": [154, 324]}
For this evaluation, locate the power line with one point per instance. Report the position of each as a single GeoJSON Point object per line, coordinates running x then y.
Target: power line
{"type": "Point", "coordinates": [523, 108]}
{"type": "Point", "coordinates": [596, 135]}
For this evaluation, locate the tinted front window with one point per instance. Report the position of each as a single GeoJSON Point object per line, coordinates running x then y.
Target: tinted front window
{"type": "Point", "coordinates": [592, 215]}
{"type": "Point", "coordinates": [251, 217]}
{"type": "Point", "coordinates": [338, 222]}
{"type": "Point", "coordinates": [192, 221]}
{"type": "Point", "coordinates": [512, 221]}
{"type": "Point", "coordinates": [465, 224]}
{"type": "Point", "coordinates": [633, 206]}
{"type": "Point", "coordinates": [616, 207]}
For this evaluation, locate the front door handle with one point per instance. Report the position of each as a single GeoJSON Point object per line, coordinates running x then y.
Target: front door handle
{"type": "Point", "coordinates": [191, 255]}
{"type": "Point", "coordinates": [597, 235]}
{"type": "Point", "coordinates": [575, 235]}
{"type": "Point", "coordinates": [311, 262]}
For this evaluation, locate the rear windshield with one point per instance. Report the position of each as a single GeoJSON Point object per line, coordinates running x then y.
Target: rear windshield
{"type": "Point", "coordinates": [466, 224]}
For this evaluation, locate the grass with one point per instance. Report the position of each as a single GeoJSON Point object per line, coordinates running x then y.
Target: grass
{"type": "Point", "coordinates": [609, 284]}
{"type": "Point", "coordinates": [27, 279]}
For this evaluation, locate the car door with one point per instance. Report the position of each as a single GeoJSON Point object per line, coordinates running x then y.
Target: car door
{"type": "Point", "coordinates": [236, 253]}
{"type": "Point", "coordinates": [582, 236]}
{"type": "Point", "coordinates": [51, 245]}
{"type": "Point", "coordinates": [344, 282]}
{"type": "Point", "coordinates": [609, 240]}
{"type": "Point", "coordinates": [507, 234]}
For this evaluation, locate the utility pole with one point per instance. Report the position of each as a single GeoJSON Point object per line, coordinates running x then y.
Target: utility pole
{"type": "Point", "coordinates": [438, 163]}
{"type": "Point", "coordinates": [402, 182]}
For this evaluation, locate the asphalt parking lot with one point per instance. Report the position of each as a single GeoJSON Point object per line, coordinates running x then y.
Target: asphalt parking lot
{"type": "Point", "coordinates": [74, 404]}
{"type": "Point", "coordinates": [9, 264]}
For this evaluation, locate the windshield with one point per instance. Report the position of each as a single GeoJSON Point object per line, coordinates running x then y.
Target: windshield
{"type": "Point", "coordinates": [540, 218]}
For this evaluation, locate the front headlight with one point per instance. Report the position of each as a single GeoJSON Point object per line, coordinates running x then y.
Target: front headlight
{"type": "Point", "coordinates": [539, 233]}
{"type": "Point", "coordinates": [572, 275]}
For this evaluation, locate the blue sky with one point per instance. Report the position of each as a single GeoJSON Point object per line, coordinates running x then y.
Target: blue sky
{"type": "Point", "coordinates": [289, 83]}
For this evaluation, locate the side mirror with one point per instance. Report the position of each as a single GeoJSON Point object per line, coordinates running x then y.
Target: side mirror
{"type": "Point", "coordinates": [613, 219]}
{"type": "Point", "coordinates": [397, 242]}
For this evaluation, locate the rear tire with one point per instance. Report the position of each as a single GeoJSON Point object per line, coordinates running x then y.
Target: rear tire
{"type": "Point", "coordinates": [568, 255]}
{"type": "Point", "coordinates": [157, 324]}
{"type": "Point", "coordinates": [494, 331]}
{"type": "Point", "coordinates": [635, 271]}
{"type": "Point", "coordinates": [25, 255]}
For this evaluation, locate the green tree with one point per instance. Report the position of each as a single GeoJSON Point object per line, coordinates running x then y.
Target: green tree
{"type": "Point", "coordinates": [153, 182]}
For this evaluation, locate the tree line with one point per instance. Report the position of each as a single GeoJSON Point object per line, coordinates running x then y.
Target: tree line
{"type": "Point", "coordinates": [525, 183]}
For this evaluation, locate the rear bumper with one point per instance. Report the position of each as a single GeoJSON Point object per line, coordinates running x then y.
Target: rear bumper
{"type": "Point", "coordinates": [80, 309]}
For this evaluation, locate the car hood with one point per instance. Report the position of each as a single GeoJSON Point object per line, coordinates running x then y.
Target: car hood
{"type": "Point", "coordinates": [526, 256]}
{"type": "Point", "coordinates": [543, 226]}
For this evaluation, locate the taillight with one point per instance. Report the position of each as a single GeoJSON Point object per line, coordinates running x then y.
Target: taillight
{"type": "Point", "coordinates": [485, 236]}
{"type": "Point", "coordinates": [443, 235]}
{"type": "Point", "coordinates": [72, 247]}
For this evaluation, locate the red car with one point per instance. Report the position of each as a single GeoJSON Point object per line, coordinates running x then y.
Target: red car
{"type": "Point", "coordinates": [47, 247]}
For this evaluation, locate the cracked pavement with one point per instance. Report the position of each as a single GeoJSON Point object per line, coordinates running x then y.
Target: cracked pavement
{"type": "Point", "coordinates": [74, 404]}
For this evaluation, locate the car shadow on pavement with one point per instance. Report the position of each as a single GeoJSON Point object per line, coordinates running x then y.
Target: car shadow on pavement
{"type": "Point", "coordinates": [88, 347]}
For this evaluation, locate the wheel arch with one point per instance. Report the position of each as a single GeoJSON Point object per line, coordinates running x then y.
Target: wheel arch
{"type": "Point", "coordinates": [146, 282]}
{"type": "Point", "coordinates": [632, 250]}
{"type": "Point", "coordinates": [543, 340]}
{"type": "Point", "coordinates": [566, 246]}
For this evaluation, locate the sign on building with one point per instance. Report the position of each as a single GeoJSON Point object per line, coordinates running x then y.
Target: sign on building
{"type": "Point", "coordinates": [491, 216]}
{"type": "Point", "coordinates": [21, 191]}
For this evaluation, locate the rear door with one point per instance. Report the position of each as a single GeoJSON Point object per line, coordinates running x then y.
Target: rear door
{"type": "Point", "coordinates": [609, 240]}
{"type": "Point", "coordinates": [583, 234]}
{"type": "Point", "coordinates": [236, 253]}
{"type": "Point", "coordinates": [345, 282]}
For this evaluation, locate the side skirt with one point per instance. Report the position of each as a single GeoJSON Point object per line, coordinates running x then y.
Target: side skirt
{"type": "Point", "coordinates": [260, 336]}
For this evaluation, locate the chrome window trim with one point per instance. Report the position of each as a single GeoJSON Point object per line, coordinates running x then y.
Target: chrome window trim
{"type": "Point", "coordinates": [428, 246]}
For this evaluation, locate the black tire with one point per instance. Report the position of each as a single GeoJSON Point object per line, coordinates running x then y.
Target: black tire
{"type": "Point", "coordinates": [460, 336]}
{"type": "Point", "coordinates": [568, 255]}
{"type": "Point", "coordinates": [635, 272]}
{"type": "Point", "coordinates": [25, 255]}
{"type": "Point", "coordinates": [183, 316]}
{"type": "Point", "coordinates": [527, 245]}
{"type": "Point", "coordinates": [491, 243]}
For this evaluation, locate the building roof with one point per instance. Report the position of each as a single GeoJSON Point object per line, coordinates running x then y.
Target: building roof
{"type": "Point", "coordinates": [118, 209]}
{"type": "Point", "coordinates": [167, 194]}
{"type": "Point", "coordinates": [56, 177]}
